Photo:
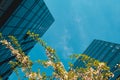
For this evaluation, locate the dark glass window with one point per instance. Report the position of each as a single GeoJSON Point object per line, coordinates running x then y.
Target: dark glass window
{"type": "Point", "coordinates": [14, 21]}
{"type": "Point", "coordinates": [7, 30]}
{"type": "Point", "coordinates": [21, 12]}
{"type": "Point", "coordinates": [23, 24]}
{"type": "Point", "coordinates": [28, 3]}
{"type": "Point", "coordinates": [30, 16]}
{"type": "Point", "coordinates": [35, 8]}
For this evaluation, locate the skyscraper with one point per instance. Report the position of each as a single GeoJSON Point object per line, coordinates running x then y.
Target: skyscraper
{"type": "Point", "coordinates": [105, 52]}
{"type": "Point", "coordinates": [16, 18]}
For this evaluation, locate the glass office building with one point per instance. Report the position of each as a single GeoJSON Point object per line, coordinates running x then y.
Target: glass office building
{"type": "Point", "coordinates": [16, 18]}
{"type": "Point", "coordinates": [106, 52]}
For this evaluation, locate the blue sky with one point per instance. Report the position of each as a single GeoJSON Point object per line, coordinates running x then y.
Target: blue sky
{"type": "Point", "coordinates": [77, 24]}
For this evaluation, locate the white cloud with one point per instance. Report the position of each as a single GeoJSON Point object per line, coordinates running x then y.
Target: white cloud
{"type": "Point", "coordinates": [66, 49]}
{"type": "Point", "coordinates": [82, 31]}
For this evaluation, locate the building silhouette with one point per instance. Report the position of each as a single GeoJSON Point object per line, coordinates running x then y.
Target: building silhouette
{"type": "Point", "coordinates": [105, 52]}
{"type": "Point", "coordinates": [16, 18]}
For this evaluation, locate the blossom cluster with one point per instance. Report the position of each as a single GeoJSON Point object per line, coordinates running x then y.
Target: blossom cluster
{"type": "Point", "coordinates": [92, 70]}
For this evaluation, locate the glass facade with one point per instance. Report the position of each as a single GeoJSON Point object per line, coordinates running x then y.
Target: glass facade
{"type": "Point", "coordinates": [16, 18]}
{"type": "Point", "coordinates": [103, 51]}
